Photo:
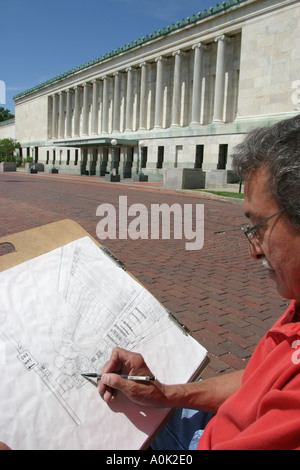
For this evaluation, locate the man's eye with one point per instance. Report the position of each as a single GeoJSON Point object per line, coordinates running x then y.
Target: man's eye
{"type": "Point", "coordinates": [260, 231]}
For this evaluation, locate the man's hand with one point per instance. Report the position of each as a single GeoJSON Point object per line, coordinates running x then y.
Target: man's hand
{"type": "Point", "coordinates": [125, 362]}
{"type": "Point", "coordinates": [206, 395]}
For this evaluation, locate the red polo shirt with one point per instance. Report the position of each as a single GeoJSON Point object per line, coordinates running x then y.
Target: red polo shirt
{"type": "Point", "coordinates": [265, 412]}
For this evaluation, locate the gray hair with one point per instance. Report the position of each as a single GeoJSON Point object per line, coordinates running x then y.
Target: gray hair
{"type": "Point", "coordinates": [276, 148]}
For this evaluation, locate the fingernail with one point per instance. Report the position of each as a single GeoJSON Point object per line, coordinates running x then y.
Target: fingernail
{"type": "Point", "coordinates": [105, 379]}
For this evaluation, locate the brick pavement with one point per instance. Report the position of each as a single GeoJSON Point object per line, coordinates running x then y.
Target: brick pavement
{"type": "Point", "coordinates": [221, 294]}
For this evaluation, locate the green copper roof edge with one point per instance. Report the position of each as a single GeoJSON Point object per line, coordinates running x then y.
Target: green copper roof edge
{"type": "Point", "coordinates": [8, 121]}
{"type": "Point", "coordinates": [160, 33]}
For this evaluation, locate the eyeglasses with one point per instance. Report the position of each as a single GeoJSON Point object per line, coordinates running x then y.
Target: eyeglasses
{"type": "Point", "coordinates": [250, 231]}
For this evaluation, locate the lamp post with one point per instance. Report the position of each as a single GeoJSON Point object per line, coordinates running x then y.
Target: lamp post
{"type": "Point", "coordinates": [33, 169]}
{"type": "Point", "coordinates": [32, 156]}
{"type": "Point", "coordinates": [53, 169]}
{"type": "Point", "coordinates": [139, 176]}
{"type": "Point", "coordinates": [113, 176]}
{"type": "Point", "coordinates": [113, 144]}
{"type": "Point", "coordinates": [139, 168]}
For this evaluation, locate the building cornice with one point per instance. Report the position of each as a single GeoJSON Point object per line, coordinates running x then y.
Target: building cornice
{"type": "Point", "coordinates": [7, 122]}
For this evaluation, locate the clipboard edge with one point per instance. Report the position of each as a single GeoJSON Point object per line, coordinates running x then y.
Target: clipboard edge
{"type": "Point", "coordinates": [39, 240]}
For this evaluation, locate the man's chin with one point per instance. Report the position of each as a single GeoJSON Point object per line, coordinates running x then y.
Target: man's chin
{"type": "Point", "coordinates": [281, 289]}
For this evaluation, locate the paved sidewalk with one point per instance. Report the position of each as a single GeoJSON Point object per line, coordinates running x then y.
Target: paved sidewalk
{"type": "Point", "coordinates": [221, 294]}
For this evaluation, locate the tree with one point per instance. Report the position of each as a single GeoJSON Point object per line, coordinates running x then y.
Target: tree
{"type": "Point", "coordinates": [5, 114]}
{"type": "Point", "coordinates": [7, 150]}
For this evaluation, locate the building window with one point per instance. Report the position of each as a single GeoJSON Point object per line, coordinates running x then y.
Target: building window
{"type": "Point", "coordinates": [178, 152]}
{"type": "Point", "coordinates": [199, 156]}
{"type": "Point", "coordinates": [76, 157]}
{"type": "Point", "coordinates": [47, 160]}
{"type": "Point", "coordinates": [144, 156]}
{"type": "Point", "coordinates": [104, 161]}
{"type": "Point", "coordinates": [117, 156]}
{"type": "Point", "coordinates": [160, 156]}
{"type": "Point", "coordinates": [128, 163]}
{"type": "Point", "coordinates": [222, 160]}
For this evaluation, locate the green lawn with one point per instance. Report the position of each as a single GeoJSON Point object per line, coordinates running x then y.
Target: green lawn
{"type": "Point", "coordinates": [225, 193]}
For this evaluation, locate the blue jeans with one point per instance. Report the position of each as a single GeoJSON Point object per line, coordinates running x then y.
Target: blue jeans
{"type": "Point", "coordinates": [182, 431]}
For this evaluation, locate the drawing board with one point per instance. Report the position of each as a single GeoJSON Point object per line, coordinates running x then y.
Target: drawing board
{"type": "Point", "coordinates": [62, 311]}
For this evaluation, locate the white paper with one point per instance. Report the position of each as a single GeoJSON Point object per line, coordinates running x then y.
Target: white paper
{"type": "Point", "coordinates": [60, 316]}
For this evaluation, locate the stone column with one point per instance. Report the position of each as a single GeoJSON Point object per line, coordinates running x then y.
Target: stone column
{"type": "Point", "coordinates": [95, 107]}
{"type": "Point", "coordinates": [54, 116]}
{"type": "Point", "coordinates": [116, 116]}
{"type": "Point", "coordinates": [143, 96]}
{"type": "Point", "coordinates": [159, 92]}
{"type": "Point", "coordinates": [105, 106]}
{"type": "Point", "coordinates": [85, 110]}
{"type": "Point", "coordinates": [196, 97]}
{"type": "Point", "coordinates": [77, 111]}
{"type": "Point", "coordinates": [176, 89]}
{"type": "Point", "coordinates": [220, 79]}
{"type": "Point", "coordinates": [61, 116]}
{"type": "Point", "coordinates": [69, 113]}
{"type": "Point", "coordinates": [129, 99]}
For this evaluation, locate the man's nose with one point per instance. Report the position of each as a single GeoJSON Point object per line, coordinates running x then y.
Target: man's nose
{"type": "Point", "coordinates": [256, 250]}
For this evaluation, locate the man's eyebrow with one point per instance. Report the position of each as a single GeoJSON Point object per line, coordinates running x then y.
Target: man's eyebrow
{"type": "Point", "coordinates": [253, 217]}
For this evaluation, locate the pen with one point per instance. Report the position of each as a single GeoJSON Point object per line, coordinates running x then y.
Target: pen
{"type": "Point", "coordinates": [128, 377]}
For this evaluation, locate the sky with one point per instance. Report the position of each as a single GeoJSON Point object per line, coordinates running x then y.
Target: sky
{"type": "Point", "coordinates": [40, 40]}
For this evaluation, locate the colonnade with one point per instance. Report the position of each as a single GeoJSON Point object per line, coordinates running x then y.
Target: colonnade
{"type": "Point", "coordinates": [187, 87]}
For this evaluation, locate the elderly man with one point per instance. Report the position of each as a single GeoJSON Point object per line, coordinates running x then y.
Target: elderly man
{"type": "Point", "coordinates": [258, 408]}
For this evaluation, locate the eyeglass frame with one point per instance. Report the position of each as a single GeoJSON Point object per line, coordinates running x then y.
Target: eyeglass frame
{"type": "Point", "coordinates": [250, 229]}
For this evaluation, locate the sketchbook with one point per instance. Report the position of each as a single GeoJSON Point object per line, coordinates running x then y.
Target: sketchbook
{"type": "Point", "coordinates": [61, 314]}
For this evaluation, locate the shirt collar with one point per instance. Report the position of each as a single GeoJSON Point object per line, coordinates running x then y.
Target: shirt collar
{"type": "Point", "coordinates": [285, 326]}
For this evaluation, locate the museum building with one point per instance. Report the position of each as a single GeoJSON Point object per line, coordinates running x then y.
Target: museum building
{"type": "Point", "coordinates": [181, 97]}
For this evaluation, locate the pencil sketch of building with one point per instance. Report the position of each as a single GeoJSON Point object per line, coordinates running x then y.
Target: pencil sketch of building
{"type": "Point", "coordinates": [181, 97]}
